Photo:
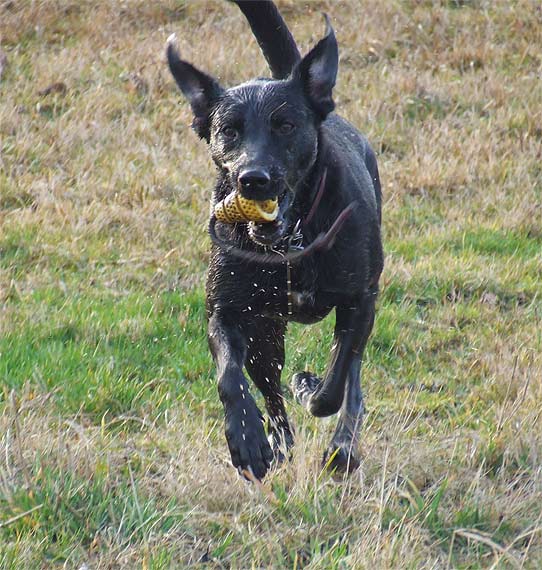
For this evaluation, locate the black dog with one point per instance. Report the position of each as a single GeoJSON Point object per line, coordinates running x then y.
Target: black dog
{"type": "Point", "coordinates": [278, 138]}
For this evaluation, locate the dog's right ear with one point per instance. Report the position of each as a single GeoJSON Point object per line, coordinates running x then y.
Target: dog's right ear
{"type": "Point", "coordinates": [201, 90]}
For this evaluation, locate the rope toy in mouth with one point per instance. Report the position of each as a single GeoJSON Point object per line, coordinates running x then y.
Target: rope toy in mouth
{"type": "Point", "coordinates": [235, 208]}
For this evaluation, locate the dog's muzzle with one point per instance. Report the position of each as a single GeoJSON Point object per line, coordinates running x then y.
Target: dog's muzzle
{"type": "Point", "coordinates": [262, 201]}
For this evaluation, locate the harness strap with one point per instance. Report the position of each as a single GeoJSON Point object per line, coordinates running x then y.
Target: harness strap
{"type": "Point", "coordinates": [317, 199]}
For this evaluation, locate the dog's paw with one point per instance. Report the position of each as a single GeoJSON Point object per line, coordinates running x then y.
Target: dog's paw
{"type": "Point", "coordinates": [340, 460]}
{"type": "Point", "coordinates": [281, 441]}
{"type": "Point", "coordinates": [304, 385]}
{"type": "Point", "coordinates": [249, 449]}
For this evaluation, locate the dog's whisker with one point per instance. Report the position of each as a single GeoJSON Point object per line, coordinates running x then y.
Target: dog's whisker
{"type": "Point", "coordinates": [281, 106]}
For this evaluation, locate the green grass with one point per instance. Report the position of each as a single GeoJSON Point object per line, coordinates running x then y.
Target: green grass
{"type": "Point", "coordinates": [118, 354]}
{"type": "Point", "coordinates": [111, 435]}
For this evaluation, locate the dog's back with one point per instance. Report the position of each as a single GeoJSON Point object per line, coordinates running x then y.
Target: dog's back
{"type": "Point", "coordinates": [350, 148]}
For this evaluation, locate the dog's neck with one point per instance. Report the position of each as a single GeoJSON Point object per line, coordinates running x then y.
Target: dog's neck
{"type": "Point", "coordinates": [310, 188]}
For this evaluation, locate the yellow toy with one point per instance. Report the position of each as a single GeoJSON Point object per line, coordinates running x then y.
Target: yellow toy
{"type": "Point", "coordinates": [236, 208]}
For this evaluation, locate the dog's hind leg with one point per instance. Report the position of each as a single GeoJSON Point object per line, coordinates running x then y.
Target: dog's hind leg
{"type": "Point", "coordinates": [245, 433]}
{"type": "Point", "coordinates": [343, 449]}
{"type": "Point", "coordinates": [342, 452]}
{"type": "Point", "coordinates": [264, 363]}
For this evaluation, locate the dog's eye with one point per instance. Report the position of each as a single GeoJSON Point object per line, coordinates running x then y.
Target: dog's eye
{"type": "Point", "coordinates": [286, 128]}
{"type": "Point", "coordinates": [230, 132]}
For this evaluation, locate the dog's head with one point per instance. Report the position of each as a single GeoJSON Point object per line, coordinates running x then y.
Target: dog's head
{"type": "Point", "coordinates": [263, 134]}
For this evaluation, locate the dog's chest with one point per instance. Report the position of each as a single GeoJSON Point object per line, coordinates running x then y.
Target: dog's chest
{"type": "Point", "coordinates": [249, 289]}
{"type": "Point", "coordinates": [294, 295]}
{"type": "Point", "coordinates": [305, 298]}
{"type": "Point", "coordinates": [301, 300]}
{"type": "Point", "coordinates": [268, 290]}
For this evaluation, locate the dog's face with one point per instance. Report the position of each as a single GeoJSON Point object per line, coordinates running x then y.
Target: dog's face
{"type": "Point", "coordinates": [263, 134]}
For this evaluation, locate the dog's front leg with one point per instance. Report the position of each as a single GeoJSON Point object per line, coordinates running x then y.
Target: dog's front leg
{"type": "Point", "coordinates": [353, 325]}
{"type": "Point", "coordinates": [245, 433]}
{"type": "Point", "coordinates": [264, 363]}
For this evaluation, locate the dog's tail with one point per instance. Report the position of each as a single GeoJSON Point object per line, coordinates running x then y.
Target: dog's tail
{"type": "Point", "coordinates": [273, 36]}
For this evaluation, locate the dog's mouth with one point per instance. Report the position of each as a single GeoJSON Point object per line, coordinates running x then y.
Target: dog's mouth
{"type": "Point", "coordinates": [270, 233]}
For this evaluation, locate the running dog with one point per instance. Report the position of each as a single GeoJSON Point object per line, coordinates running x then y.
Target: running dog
{"type": "Point", "coordinates": [279, 140]}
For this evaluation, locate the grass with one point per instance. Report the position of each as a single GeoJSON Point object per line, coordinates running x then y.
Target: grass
{"type": "Point", "coordinates": [111, 443]}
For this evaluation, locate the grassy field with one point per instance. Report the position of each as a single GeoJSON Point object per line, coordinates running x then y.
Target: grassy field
{"type": "Point", "coordinates": [112, 452]}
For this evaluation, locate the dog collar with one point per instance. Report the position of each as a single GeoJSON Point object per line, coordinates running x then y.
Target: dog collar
{"type": "Point", "coordinates": [322, 242]}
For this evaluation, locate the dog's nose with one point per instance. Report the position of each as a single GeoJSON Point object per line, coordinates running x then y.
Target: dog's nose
{"type": "Point", "coordinates": [252, 180]}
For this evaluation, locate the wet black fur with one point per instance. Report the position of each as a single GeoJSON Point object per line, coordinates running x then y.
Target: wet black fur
{"type": "Point", "coordinates": [247, 302]}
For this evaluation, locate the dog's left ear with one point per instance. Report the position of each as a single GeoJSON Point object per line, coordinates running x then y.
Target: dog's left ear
{"type": "Point", "coordinates": [201, 90]}
{"type": "Point", "coordinates": [317, 72]}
